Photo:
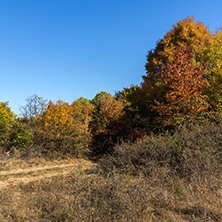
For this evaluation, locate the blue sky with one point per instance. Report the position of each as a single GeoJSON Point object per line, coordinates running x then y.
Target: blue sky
{"type": "Point", "coordinates": [65, 49]}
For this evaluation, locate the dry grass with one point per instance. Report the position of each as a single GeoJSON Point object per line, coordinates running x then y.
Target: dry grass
{"type": "Point", "coordinates": [86, 195]}
{"type": "Point", "coordinates": [80, 196]}
{"type": "Point", "coordinates": [25, 171]}
{"type": "Point", "coordinates": [139, 182]}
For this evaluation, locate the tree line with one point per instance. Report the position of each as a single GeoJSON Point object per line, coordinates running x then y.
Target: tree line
{"type": "Point", "coordinates": [183, 83]}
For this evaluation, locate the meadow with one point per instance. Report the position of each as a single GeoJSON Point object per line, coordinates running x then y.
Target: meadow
{"type": "Point", "coordinates": [160, 178]}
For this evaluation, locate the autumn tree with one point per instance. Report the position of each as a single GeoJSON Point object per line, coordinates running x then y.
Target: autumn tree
{"type": "Point", "coordinates": [107, 121]}
{"type": "Point", "coordinates": [185, 32]}
{"type": "Point", "coordinates": [184, 80]}
{"type": "Point", "coordinates": [212, 56]}
{"type": "Point", "coordinates": [14, 135]}
{"type": "Point", "coordinates": [60, 130]}
{"type": "Point", "coordinates": [83, 109]}
{"type": "Point", "coordinates": [7, 117]}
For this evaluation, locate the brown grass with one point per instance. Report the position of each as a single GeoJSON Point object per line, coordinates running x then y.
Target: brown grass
{"type": "Point", "coordinates": [86, 195]}
{"type": "Point", "coordinates": [139, 182]}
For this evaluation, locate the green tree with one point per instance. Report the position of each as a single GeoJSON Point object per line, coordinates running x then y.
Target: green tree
{"type": "Point", "coordinates": [14, 134]}
{"type": "Point", "coordinates": [20, 136]}
{"type": "Point", "coordinates": [83, 109]}
{"type": "Point", "coordinates": [135, 111]}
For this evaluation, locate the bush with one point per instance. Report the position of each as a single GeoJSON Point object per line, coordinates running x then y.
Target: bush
{"type": "Point", "coordinates": [188, 152]}
{"type": "Point", "coordinates": [13, 132]}
{"type": "Point", "coordinates": [20, 135]}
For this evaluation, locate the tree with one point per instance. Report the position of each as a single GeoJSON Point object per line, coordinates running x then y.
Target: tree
{"type": "Point", "coordinates": [107, 121]}
{"type": "Point", "coordinates": [61, 131]}
{"type": "Point", "coordinates": [35, 105]}
{"type": "Point", "coordinates": [7, 117]}
{"type": "Point", "coordinates": [184, 80]}
{"type": "Point", "coordinates": [136, 114]}
{"type": "Point", "coordinates": [185, 32]}
{"type": "Point", "coordinates": [13, 133]}
{"type": "Point", "coordinates": [83, 109]}
{"type": "Point", "coordinates": [212, 56]}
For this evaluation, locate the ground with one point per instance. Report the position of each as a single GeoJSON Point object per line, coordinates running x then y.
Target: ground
{"type": "Point", "coordinates": [14, 172]}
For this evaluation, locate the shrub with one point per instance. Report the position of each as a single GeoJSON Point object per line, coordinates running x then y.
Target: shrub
{"type": "Point", "coordinates": [20, 135]}
{"type": "Point", "coordinates": [192, 151]}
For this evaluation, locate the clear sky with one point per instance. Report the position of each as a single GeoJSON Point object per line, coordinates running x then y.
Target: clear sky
{"type": "Point", "coordinates": [65, 49]}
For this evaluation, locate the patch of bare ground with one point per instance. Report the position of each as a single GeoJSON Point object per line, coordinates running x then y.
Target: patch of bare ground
{"type": "Point", "coordinates": [17, 171]}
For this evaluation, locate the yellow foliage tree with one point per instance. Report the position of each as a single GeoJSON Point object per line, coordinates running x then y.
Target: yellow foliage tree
{"type": "Point", "coordinates": [213, 59]}
{"type": "Point", "coordinates": [61, 131]}
{"type": "Point", "coordinates": [83, 109]}
{"type": "Point", "coordinates": [7, 117]}
{"type": "Point", "coordinates": [185, 33]}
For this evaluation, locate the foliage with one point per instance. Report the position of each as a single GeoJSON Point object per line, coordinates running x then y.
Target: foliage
{"type": "Point", "coordinates": [184, 81]}
{"type": "Point", "coordinates": [136, 114]}
{"type": "Point", "coordinates": [190, 151]}
{"type": "Point", "coordinates": [130, 96]}
{"type": "Point", "coordinates": [213, 58]}
{"type": "Point", "coordinates": [185, 32]}
{"type": "Point", "coordinates": [14, 134]}
{"type": "Point", "coordinates": [61, 131]}
{"type": "Point", "coordinates": [83, 109]}
{"type": "Point", "coordinates": [7, 117]}
{"type": "Point", "coordinates": [107, 121]}
{"type": "Point", "coordinates": [178, 85]}
{"type": "Point", "coordinates": [21, 136]}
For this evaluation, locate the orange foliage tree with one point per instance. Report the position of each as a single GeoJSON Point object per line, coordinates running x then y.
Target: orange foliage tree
{"type": "Point", "coordinates": [185, 32]}
{"type": "Point", "coordinates": [184, 80]}
{"type": "Point", "coordinates": [61, 131]}
{"type": "Point", "coordinates": [107, 122]}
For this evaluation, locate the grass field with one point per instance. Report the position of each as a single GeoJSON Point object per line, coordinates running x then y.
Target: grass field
{"type": "Point", "coordinates": [161, 178]}
{"type": "Point", "coordinates": [76, 190]}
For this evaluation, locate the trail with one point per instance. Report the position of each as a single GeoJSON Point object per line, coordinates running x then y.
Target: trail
{"type": "Point", "coordinates": [13, 177]}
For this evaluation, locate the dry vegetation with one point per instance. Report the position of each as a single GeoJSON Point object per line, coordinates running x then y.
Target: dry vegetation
{"type": "Point", "coordinates": [161, 178]}
{"type": "Point", "coordinates": [17, 171]}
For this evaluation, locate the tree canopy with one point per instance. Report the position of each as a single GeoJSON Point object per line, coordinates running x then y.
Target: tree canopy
{"type": "Point", "coordinates": [185, 33]}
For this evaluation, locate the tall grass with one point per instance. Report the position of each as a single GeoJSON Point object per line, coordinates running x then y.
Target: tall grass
{"type": "Point", "coordinates": [170, 177]}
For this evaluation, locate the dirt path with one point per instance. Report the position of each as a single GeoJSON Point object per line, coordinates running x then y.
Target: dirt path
{"type": "Point", "coordinates": [14, 176]}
